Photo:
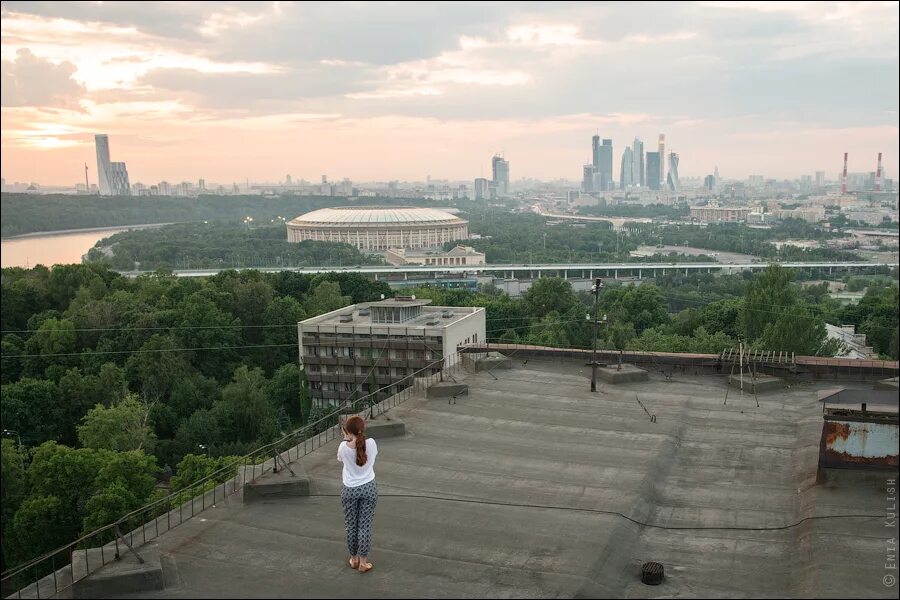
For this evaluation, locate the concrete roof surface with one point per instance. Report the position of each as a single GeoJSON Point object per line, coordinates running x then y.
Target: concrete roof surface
{"type": "Point", "coordinates": [536, 435]}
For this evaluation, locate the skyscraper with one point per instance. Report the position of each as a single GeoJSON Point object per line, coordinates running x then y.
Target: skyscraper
{"type": "Point", "coordinates": [101, 141]}
{"type": "Point", "coordinates": [653, 169]}
{"type": "Point", "coordinates": [595, 152]}
{"type": "Point", "coordinates": [481, 188]}
{"type": "Point", "coordinates": [118, 179]}
{"type": "Point", "coordinates": [709, 182]}
{"type": "Point", "coordinates": [606, 165]}
{"type": "Point", "coordinates": [662, 158]}
{"type": "Point", "coordinates": [587, 180]}
{"type": "Point", "coordinates": [637, 152]}
{"type": "Point", "coordinates": [626, 173]}
{"type": "Point", "coordinates": [674, 184]}
{"type": "Point", "coordinates": [111, 176]}
{"type": "Point", "coordinates": [820, 179]}
{"type": "Point", "coordinates": [500, 169]}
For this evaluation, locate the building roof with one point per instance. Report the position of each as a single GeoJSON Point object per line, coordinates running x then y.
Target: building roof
{"type": "Point", "coordinates": [429, 314]}
{"type": "Point", "coordinates": [345, 216]}
{"type": "Point", "coordinates": [534, 436]}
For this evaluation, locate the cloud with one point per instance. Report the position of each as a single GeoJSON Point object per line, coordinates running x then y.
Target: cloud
{"type": "Point", "coordinates": [31, 81]}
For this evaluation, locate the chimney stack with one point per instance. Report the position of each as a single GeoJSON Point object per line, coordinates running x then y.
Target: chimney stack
{"type": "Point", "coordinates": [878, 175]}
{"type": "Point", "coordinates": [844, 176]}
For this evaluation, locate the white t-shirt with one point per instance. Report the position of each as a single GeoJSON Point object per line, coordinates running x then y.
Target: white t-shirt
{"type": "Point", "coordinates": [353, 474]}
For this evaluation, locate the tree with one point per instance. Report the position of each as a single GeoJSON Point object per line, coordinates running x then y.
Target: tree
{"type": "Point", "coordinates": [12, 491]}
{"type": "Point", "coordinates": [621, 334]}
{"type": "Point", "coordinates": [31, 407]}
{"type": "Point", "coordinates": [156, 368]}
{"type": "Point", "coordinates": [11, 361]}
{"type": "Point", "coordinates": [280, 320]}
{"type": "Point", "coordinates": [325, 297]}
{"type": "Point", "coordinates": [52, 343]}
{"type": "Point", "coordinates": [194, 467]}
{"type": "Point", "coordinates": [549, 294]}
{"type": "Point", "coordinates": [797, 330]}
{"type": "Point", "coordinates": [284, 390]}
{"type": "Point", "coordinates": [246, 413]}
{"type": "Point", "coordinates": [769, 295]}
{"type": "Point", "coordinates": [120, 427]}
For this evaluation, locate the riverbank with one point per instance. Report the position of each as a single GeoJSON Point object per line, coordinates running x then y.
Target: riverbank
{"type": "Point", "coordinates": [34, 234]}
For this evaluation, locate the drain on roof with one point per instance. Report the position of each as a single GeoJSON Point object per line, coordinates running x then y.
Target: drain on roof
{"type": "Point", "coordinates": [652, 573]}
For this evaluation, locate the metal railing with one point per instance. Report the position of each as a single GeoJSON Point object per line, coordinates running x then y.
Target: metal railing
{"type": "Point", "coordinates": [58, 570]}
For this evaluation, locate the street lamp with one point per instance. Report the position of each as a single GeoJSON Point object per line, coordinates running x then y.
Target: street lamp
{"type": "Point", "coordinates": [19, 440]}
{"type": "Point", "coordinates": [205, 448]}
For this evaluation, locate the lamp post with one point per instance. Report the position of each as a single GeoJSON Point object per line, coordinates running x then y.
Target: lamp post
{"type": "Point", "coordinates": [19, 441]}
{"type": "Point", "coordinates": [205, 448]}
{"type": "Point", "coordinates": [598, 285]}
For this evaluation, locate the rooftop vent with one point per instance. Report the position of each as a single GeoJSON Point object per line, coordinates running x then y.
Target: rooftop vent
{"type": "Point", "coordinates": [364, 312]}
{"type": "Point", "coordinates": [404, 298]}
{"type": "Point", "coordinates": [431, 323]}
{"type": "Point", "coordinates": [346, 318]}
{"type": "Point", "coordinates": [446, 314]}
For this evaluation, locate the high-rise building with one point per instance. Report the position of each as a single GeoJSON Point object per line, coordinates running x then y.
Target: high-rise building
{"type": "Point", "coordinates": [709, 182]}
{"type": "Point", "coordinates": [500, 170]}
{"type": "Point", "coordinates": [637, 153]}
{"type": "Point", "coordinates": [595, 152]}
{"type": "Point", "coordinates": [672, 179]}
{"type": "Point", "coordinates": [606, 165]}
{"type": "Point", "coordinates": [202, 185]}
{"type": "Point", "coordinates": [626, 174]}
{"type": "Point", "coordinates": [662, 158]}
{"type": "Point", "coordinates": [653, 169]}
{"type": "Point", "coordinates": [587, 180]}
{"type": "Point", "coordinates": [112, 177]}
{"type": "Point", "coordinates": [820, 179]}
{"type": "Point", "coordinates": [716, 175]}
{"type": "Point", "coordinates": [101, 141]}
{"type": "Point", "coordinates": [481, 188]}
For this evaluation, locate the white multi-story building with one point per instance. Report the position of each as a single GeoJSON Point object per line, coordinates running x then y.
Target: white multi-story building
{"type": "Point", "coordinates": [383, 344]}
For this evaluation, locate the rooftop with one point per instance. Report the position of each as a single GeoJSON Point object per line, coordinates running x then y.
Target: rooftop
{"type": "Point", "coordinates": [344, 216]}
{"type": "Point", "coordinates": [534, 435]}
{"type": "Point", "coordinates": [445, 315]}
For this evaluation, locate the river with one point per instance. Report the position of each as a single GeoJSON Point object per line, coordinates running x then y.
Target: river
{"type": "Point", "coordinates": [55, 248]}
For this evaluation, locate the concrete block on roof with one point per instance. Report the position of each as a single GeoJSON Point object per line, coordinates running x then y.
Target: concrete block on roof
{"type": "Point", "coordinates": [447, 389]}
{"type": "Point", "coordinates": [493, 360]}
{"type": "Point", "coordinates": [627, 374]}
{"type": "Point", "coordinates": [757, 384]}
{"type": "Point", "coordinates": [282, 484]}
{"type": "Point", "coordinates": [385, 425]}
{"type": "Point", "coordinates": [127, 575]}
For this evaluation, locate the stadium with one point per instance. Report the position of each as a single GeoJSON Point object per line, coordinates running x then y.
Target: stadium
{"type": "Point", "coordinates": [377, 228]}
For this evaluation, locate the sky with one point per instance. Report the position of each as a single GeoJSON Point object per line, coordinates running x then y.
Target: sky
{"type": "Point", "coordinates": [231, 91]}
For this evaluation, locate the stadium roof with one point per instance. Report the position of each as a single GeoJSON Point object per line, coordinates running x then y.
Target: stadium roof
{"type": "Point", "coordinates": [345, 216]}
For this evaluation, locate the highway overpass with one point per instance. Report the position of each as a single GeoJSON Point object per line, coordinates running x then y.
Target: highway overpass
{"type": "Point", "coordinates": [533, 271]}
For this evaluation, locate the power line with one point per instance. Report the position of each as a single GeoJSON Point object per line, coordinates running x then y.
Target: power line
{"type": "Point", "coordinates": [92, 353]}
{"type": "Point", "coordinates": [613, 513]}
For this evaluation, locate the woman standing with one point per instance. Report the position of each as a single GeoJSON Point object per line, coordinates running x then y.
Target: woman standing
{"type": "Point", "coordinates": [360, 492]}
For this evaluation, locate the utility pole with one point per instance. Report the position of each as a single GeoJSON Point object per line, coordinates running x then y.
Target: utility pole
{"type": "Point", "coordinates": [598, 285]}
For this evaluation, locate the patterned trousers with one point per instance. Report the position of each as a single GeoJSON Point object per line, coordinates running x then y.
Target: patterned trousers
{"type": "Point", "coordinates": [359, 514]}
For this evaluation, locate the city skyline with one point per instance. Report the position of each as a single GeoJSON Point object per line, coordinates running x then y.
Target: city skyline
{"type": "Point", "coordinates": [242, 91]}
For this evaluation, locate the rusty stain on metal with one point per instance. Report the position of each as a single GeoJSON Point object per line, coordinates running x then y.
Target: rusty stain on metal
{"type": "Point", "coordinates": [859, 444]}
{"type": "Point", "coordinates": [832, 431]}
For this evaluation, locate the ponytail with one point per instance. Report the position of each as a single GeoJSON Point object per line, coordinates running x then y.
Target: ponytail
{"type": "Point", "coordinates": [357, 427]}
{"type": "Point", "coordinates": [361, 449]}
